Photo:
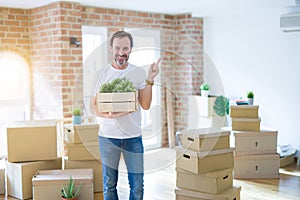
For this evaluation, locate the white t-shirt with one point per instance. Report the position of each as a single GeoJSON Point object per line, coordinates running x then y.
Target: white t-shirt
{"type": "Point", "coordinates": [127, 126]}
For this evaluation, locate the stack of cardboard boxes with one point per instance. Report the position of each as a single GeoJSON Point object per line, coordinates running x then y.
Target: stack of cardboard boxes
{"type": "Point", "coordinates": [83, 150]}
{"type": "Point", "coordinates": [255, 149]}
{"type": "Point", "coordinates": [204, 166]}
{"type": "Point", "coordinates": [31, 146]}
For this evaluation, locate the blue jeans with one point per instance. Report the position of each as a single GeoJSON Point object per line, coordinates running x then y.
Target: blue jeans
{"type": "Point", "coordinates": [133, 153]}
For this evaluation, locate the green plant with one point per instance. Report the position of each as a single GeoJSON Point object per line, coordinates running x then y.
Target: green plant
{"type": "Point", "coordinates": [76, 112]}
{"type": "Point", "coordinates": [221, 106]}
{"type": "Point", "coordinates": [118, 85]}
{"type": "Point", "coordinates": [204, 86]}
{"type": "Point", "coordinates": [250, 94]}
{"type": "Point", "coordinates": [68, 190]}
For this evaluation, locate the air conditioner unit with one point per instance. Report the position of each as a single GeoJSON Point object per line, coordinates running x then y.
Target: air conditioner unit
{"type": "Point", "coordinates": [290, 22]}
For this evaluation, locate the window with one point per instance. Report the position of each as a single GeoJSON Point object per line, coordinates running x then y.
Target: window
{"type": "Point", "coordinates": [94, 53]}
{"type": "Point", "coordinates": [14, 95]}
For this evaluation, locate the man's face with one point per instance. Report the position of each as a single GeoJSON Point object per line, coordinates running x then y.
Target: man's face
{"type": "Point", "coordinates": [121, 50]}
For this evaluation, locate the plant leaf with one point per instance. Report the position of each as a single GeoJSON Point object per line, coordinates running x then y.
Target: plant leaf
{"type": "Point", "coordinates": [221, 106]}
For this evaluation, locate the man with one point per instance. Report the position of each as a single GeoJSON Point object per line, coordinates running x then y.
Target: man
{"type": "Point", "coordinates": [121, 132]}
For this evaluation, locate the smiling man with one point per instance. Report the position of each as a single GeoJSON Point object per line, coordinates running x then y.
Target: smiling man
{"type": "Point", "coordinates": [120, 133]}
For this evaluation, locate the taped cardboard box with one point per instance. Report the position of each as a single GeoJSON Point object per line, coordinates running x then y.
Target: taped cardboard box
{"type": "Point", "coordinates": [230, 194]}
{"type": "Point", "coordinates": [32, 141]}
{"type": "Point", "coordinates": [205, 139]}
{"type": "Point", "coordinates": [47, 184]}
{"type": "Point", "coordinates": [256, 166]}
{"type": "Point", "coordinates": [96, 165]}
{"type": "Point", "coordinates": [117, 102]}
{"type": "Point", "coordinates": [19, 176]}
{"type": "Point", "coordinates": [203, 162]}
{"type": "Point", "coordinates": [244, 111]}
{"type": "Point", "coordinates": [2, 181]}
{"type": "Point", "coordinates": [204, 105]}
{"type": "Point", "coordinates": [245, 124]}
{"type": "Point", "coordinates": [211, 182]}
{"type": "Point", "coordinates": [85, 151]}
{"type": "Point", "coordinates": [82, 133]}
{"type": "Point", "coordinates": [253, 143]}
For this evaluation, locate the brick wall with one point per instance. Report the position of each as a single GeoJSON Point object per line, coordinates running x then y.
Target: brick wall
{"type": "Point", "coordinates": [57, 65]}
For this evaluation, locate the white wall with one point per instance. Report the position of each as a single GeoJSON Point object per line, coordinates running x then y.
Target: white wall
{"type": "Point", "coordinates": [250, 52]}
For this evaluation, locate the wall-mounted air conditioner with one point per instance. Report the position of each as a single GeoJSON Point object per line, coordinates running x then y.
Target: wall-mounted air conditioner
{"type": "Point", "coordinates": [290, 22]}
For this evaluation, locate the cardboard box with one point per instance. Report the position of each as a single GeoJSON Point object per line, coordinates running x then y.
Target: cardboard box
{"type": "Point", "coordinates": [203, 162]}
{"type": "Point", "coordinates": [82, 133]}
{"type": "Point", "coordinates": [86, 151]}
{"type": "Point", "coordinates": [230, 194]}
{"type": "Point", "coordinates": [2, 181]}
{"type": "Point", "coordinates": [244, 111]}
{"type": "Point", "coordinates": [117, 102]}
{"type": "Point", "coordinates": [245, 124]}
{"type": "Point", "coordinates": [211, 182]}
{"type": "Point", "coordinates": [204, 105]}
{"type": "Point", "coordinates": [249, 143]}
{"type": "Point", "coordinates": [32, 141]}
{"type": "Point", "coordinates": [19, 176]}
{"type": "Point", "coordinates": [96, 165]}
{"type": "Point", "coordinates": [47, 184]}
{"type": "Point", "coordinates": [256, 166]}
{"type": "Point", "coordinates": [287, 160]}
{"type": "Point", "coordinates": [205, 139]}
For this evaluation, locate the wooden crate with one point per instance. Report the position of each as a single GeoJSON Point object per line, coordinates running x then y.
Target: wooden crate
{"type": "Point", "coordinates": [19, 176]}
{"type": "Point", "coordinates": [246, 124]}
{"type": "Point", "coordinates": [205, 139]}
{"type": "Point", "coordinates": [31, 141]}
{"type": "Point", "coordinates": [230, 194]}
{"type": "Point", "coordinates": [256, 166]}
{"type": "Point", "coordinates": [203, 162]}
{"type": "Point", "coordinates": [212, 182]}
{"type": "Point", "coordinates": [46, 184]}
{"type": "Point", "coordinates": [82, 133]}
{"type": "Point", "coordinates": [244, 111]}
{"type": "Point", "coordinates": [117, 102]}
{"type": "Point", "coordinates": [249, 143]}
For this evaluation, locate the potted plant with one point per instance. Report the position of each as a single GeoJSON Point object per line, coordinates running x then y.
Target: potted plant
{"type": "Point", "coordinates": [69, 192]}
{"type": "Point", "coordinates": [204, 88]}
{"type": "Point", "coordinates": [76, 116]}
{"type": "Point", "coordinates": [250, 97]}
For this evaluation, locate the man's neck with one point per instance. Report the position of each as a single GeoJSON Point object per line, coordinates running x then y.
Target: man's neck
{"type": "Point", "coordinates": [116, 66]}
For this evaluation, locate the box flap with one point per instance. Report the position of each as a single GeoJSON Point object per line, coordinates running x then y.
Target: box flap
{"type": "Point", "coordinates": [246, 119]}
{"type": "Point", "coordinates": [204, 153]}
{"type": "Point", "coordinates": [49, 177]}
{"type": "Point", "coordinates": [258, 157]}
{"type": "Point", "coordinates": [244, 107]}
{"type": "Point", "coordinates": [215, 174]}
{"type": "Point", "coordinates": [86, 126]}
{"type": "Point", "coordinates": [255, 133]}
{"type": "Point", "coordinates": [32, 123]}
{"type": "Point", "coordinates": [205, 132]}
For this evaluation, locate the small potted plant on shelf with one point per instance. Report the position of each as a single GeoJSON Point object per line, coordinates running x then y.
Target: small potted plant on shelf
{"type": "Point", "coordinates": [250, 96]}
{"type": "Point", "coordinates": [204, 88]}
{"type": "Point", "coordinates": [69, 192]}
{"type": "Point", "coordinates": [76, 116]}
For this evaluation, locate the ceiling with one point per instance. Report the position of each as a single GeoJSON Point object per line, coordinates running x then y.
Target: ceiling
{"type": "Point", "coordinates": [198, 8]}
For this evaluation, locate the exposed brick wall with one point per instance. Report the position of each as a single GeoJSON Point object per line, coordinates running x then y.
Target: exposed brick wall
{"type": "Point", "coordinates": [55, 63]}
